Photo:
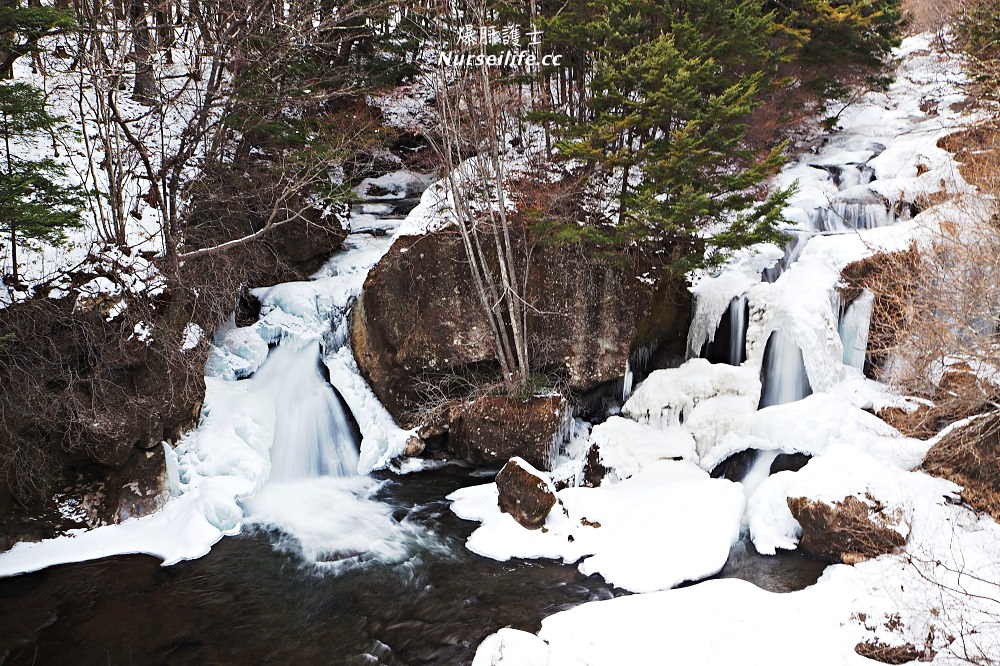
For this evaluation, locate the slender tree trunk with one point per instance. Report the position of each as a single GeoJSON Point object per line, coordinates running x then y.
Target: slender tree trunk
{"type": "Point", "coordinates": [165, 30]}
{"type": "Point", "coordinates": [13, 225]}
{"type": "Point", "coordinates": [144, 88]}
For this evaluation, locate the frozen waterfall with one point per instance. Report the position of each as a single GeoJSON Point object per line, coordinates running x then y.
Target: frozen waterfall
{"type": "Point", "coordinates": [784, 377]}
{"type": "Point", "coordinates": [854, 325]}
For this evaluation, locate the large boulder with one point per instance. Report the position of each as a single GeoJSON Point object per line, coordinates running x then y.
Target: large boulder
{"type": "Point", "coordinates": [419, 321]}
{"type": "Point", "coordinates": [492, 429]}
{"type": "Point", "coordinates": [525, 493]}
{"type": "Point", "coordinates": [850, 531]}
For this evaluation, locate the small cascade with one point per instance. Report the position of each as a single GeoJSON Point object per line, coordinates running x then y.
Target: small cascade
{"type": "Point", "coordinates": [842, 216]}
{"type": "Point", "coordinates": [758, 472]}
{"type": "Point", "coordinates": [312, 435]}
{"type": "Point", "coordinates": [784, 376]}
{"type": "Point", "coordinates": [855, 320]}
{"type": "Point", "coordinates": [730, 342]}
{"type": "Point", "coordinates": [797, 240]}
{"type": "Point", "coordinates": [636, 369]}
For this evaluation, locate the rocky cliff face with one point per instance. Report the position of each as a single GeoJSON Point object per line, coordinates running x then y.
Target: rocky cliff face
{"type": "Point", "coordinates": [418, 328]}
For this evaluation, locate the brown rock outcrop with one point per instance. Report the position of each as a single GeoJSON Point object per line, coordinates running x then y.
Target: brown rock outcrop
{"type": "Point", "coordinates": [495, 428]}
{"type": "Point", "coordinates": [849, 531]}
{"type": "Point", "coordinates": [525, 494]}
{"type": "Point", "coordinates": [419, 322]}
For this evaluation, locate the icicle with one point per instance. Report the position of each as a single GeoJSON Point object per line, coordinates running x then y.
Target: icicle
{"type": "Point", "coordinates": [738, 330]}
{"type": "Point", "coordinates": [627, 383]}
{"type": "Point", "coordinates": [853, 329]}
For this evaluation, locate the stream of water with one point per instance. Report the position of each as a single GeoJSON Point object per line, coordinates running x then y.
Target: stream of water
{"type": "Point", "coordinates": [249, 601]}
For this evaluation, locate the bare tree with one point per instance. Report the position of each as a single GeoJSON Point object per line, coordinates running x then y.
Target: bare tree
{"type": "Point", "coordinates": [477, 112]}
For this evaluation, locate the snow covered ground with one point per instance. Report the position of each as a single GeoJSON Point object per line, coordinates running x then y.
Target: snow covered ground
{"type": "Point", "coordinates": [942, 593]}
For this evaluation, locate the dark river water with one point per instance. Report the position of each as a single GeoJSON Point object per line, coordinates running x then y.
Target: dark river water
{"type": "Point", "coordinates": [248, 602]}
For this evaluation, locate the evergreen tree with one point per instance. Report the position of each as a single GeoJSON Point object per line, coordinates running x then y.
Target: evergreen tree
{"type": "Point", "coordinates": [835, 37]}
{"type": "Point", "coordinates": [22, 25]}
{"type": "Point", "coordinates": [33, 204]}
{"type": "Point", "coordinates": [672, 85]}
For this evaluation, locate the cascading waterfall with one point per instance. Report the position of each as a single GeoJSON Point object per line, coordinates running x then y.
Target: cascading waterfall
{"type": "Point", "coordinates": [729, 345]}
{"type": "Point", "coordinates": [797, 240]}
{"type": "Point", "coordinates": [843, 216]}
{"type": "Point", "coordinates": [758, 472]}
{"type": "Point", "coordinates": [312, 436]}
{"type": "Point", "coordinates": [636, 366]}
{"type": "Point", "coordinates": [853, 329]}
{"type": "Point", "coordinates": [785, 378]}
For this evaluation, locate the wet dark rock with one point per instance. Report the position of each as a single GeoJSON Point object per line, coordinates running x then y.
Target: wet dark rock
{"type": "Point", "coordinates": [414, 446]}
{"type": "Point", "coordinates": [495, 428]}
{"type": "Point", "coordinates": [525, 494]}
{"type": "Point", "coordinates": [850, 531]}
{"type": "Point", "coordinates": [736, 466]}
{"type": "Point", "coordinates": [593, 471]}
{"type": "Point", "coordinates": [419, 321]}
{"type": "Point", "coordinates": [789, 462]}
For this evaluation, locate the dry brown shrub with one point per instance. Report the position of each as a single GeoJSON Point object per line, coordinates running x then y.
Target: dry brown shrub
{"type": "Point", "coordinates": [849, 531]}
{"type": "Point", "coordinates": [888, 654]}
{"type": "Point", "coordinates": [931, 15]}
{"type": "Point", "coordinates": [970, 456]}
{"type": "Point", "coordinates": [889, 277]}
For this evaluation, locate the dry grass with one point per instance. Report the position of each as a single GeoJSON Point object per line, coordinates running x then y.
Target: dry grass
{"type": "Point", "coordinates": [970, 457]}
{"type": "Point", "coordinates": [977, 151]}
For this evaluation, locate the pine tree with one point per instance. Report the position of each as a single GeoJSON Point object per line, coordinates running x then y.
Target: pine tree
{"type": "Point", "coordinates": [834, 37]}
{"type": "Point", "coordinates": [673, 83]}
{"type": "Point", "coordinates": [33, 204]}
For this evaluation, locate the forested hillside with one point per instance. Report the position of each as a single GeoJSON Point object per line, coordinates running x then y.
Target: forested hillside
{"type": "Point", "coordinates": [716, 273]}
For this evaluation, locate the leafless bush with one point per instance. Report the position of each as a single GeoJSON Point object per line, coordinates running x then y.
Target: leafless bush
{"type": "Point", "coordinates": [932, 15]}
{"type": "Point", "coordinates": [947, 347]}
{"type": "Point", "coordinates": [81, 386]}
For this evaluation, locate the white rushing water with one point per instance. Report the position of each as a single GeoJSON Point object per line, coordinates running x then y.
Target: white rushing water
{"type": "Point", "coordinates": [784, 378]}
{"type": "Point", "coordinates": [312, 436]}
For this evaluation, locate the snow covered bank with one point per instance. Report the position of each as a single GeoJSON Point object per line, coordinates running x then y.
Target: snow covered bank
{"type": "Point", "coordinates": [667, 524]}
{"type": "Point", "coordinates": [941, 595]}
{"type": "Point", "coordinates": [894, 601]}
